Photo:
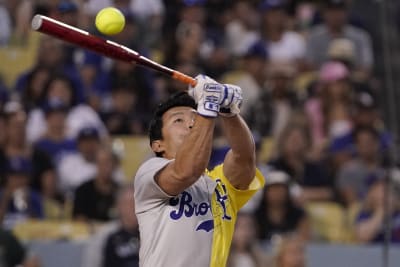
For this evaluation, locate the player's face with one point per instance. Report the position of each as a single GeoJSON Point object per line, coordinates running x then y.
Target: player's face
{"type": "Point", "coordinates": [177, 123]}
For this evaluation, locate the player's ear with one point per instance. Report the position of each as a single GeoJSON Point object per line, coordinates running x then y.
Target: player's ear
{"type": "Point", "coordinates": [157, 146]}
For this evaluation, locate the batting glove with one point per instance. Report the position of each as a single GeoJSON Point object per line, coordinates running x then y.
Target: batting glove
{"type": "Point", "coordinates": [208, 94]}
{"type": "Point", "coordinates": [233, 101]}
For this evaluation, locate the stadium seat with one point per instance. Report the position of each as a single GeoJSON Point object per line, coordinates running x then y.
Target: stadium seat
{"type": "Point", "coordinates": [133, 151]}
{"type": "Point", "coordinates": [15, 60]}
{"type": "Point", "coordinates": [330, 222]}
{"type": "Point", "coordinates": [52, 230]}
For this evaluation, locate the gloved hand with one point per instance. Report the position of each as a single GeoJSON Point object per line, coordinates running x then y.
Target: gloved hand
{"type": "Point", "coordinates": [233, 101]}
{"type": "Point", "coordinates": [208, 94]}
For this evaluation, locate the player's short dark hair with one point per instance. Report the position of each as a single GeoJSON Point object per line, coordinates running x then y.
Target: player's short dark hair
{"type": "Point", "coordinates": [179, 99]}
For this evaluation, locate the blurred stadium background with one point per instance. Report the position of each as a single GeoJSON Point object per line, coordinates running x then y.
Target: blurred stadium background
{"type": "Point", "coordinates": [320, 82]}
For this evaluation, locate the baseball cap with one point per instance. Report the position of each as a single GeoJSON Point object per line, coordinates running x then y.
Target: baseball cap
{"type": "Point", "coordinates": [342, 49]}
{"type": "Point", "coordinates": [272, 4]}
{"type": "Point", "coordinates": [88, 133]}
{"type": "Point", "coordinates": [257, 50]}
{"type": "Point", "coordinates": [19, 165]}
{"type": "Point", "coordinates": [54, 105]}
{"type": "Point", "coordinates": [277, 177]}
{"type": "Point", "coordinates": [67, 6]}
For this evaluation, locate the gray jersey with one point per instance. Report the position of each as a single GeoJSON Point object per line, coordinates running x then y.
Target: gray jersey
{"type": "Point", "coordinates": [174, 231]}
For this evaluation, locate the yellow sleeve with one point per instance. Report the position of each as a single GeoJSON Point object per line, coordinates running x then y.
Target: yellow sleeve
{"type": "Point", "coordinates": [238, 197]}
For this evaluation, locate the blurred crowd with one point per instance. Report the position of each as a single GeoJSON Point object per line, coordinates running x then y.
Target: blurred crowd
{"type": "Point", "coordinates": [311, 99]}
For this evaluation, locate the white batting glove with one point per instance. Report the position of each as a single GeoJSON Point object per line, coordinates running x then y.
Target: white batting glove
{"type": "Point", "coordinates": [233, 101]}
{"type": "Point", "coordinates": [208, 94]}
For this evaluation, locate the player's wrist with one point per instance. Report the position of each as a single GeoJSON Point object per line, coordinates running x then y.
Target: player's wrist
{"type": "Point", "coordinates": [226, 112]}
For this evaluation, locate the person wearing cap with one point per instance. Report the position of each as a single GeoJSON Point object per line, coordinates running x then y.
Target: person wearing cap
{"type": "Point", "coordinates": [335, 27]}
{"type": "Point", "coordinates": [125, 116]}
{"type": "Point", "coordinates": [17, 201]}
{"type": "Point", "coordinates": [368, 162]}
{"type": "Point", "coordinates": [55, 141]}
{"type": "Point", "coordinates": [80, 115]}
{"type": "Point", "coordinates": [275, 104]}
{"type": "Point", "coordinates": [79, 167]}
{"type": "Point", "coordinates": [252, 74]}
{"type": "Point", "coordinates": [283, 45]}
{"type": "Point", "coordinates": [241, 31]}
{"type": "Point", "coordinates": [329, 110]}
{"type": "Point", "coordinates": [68, 12]}
{"type": "Point", "coordinates": [277, 213]}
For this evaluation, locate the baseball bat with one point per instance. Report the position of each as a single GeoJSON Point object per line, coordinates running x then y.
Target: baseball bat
{"type": "Point", "coordinates": [101, 46]}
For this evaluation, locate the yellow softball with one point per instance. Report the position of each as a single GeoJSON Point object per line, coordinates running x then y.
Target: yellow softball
{"type": "Point", "coordinates": [110, 21]}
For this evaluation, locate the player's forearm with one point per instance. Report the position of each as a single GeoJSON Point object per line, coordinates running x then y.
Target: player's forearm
{"type": "Point", "coordinates": [239, 138]}
{"type": "Point", "coordinates": [193, 156]}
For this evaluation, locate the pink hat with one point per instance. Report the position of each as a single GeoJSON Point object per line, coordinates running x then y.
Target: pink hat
{"type": "Point", "coordinates": [333, 71]}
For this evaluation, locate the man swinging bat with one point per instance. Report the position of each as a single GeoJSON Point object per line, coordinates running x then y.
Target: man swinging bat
{"type": "Point", "coordinates": [186, 213]}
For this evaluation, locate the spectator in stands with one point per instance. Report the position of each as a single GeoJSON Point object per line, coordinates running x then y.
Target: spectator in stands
{"type": "Point", "coordinates": [353, 178]}
{"type": "Point", "coordinates": [95, 199]}
{"type": "Point", "coordinates": [277, 214]}
{"type": "Point", "coordinates": [17, 146]}
{"type": "Point", "coordinates": [5, 22]}
{"type": "Point", "coordinates": [124, 118]}
{"type": "Point", "coordinates": [60, 88]}
{"type": "Point", "coordinates": [67, 12]}
{"type": "Point", "coordinates": [122, 245]}
{"type": "Point", "coordinates": [241, 31]}
{"type": "Point", "coordinates": [329, 110]}
{"type": "Point", "coordinates": [283, 45]}
{"type": "Point", "coordinates": [246, 250]}
{"type": "Point", "coordinates": [77, 168]}
{"type": "Point", "coordinates": [274, 106]}
{"type": "Point", "coordinates": [364, 114]}
{"type": "Point", "coordinates": [252, 75]}
{"type": "Point", "coordinates": [290, 252]}
{"type": "Point", "coordinates": [21, 14]}
{"type": "Point", "coordinates": [116, 244]}
{"type": "Point", "coordinates": [137, 79]}
{"type": "Point", "coordinates": [56, 206]}
{"type": "Point", "coordinates": [186, 45]}
{"type": "Point", "coordinates": [293, 157]}
{"type": "Point", "coordinates": [95, 73]}
{"type": "Point", "coordinates": [367, 114]}
{"type": "Point", "coordinates": [336, 26]}
{"type": "Point", "coordinates": [55, 61]}
{"type": "Point", "coordinates": [19, 202]}
{"type": "Point", "coordinates": [32, 92]}
{"type": "Point", "coordinates": [54, 140]}
{"type": "Point", "coordinates": [370, 224]}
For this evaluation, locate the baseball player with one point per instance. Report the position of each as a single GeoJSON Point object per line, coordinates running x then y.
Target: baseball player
{"type": "Point", "coordinates": [187, 213]}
